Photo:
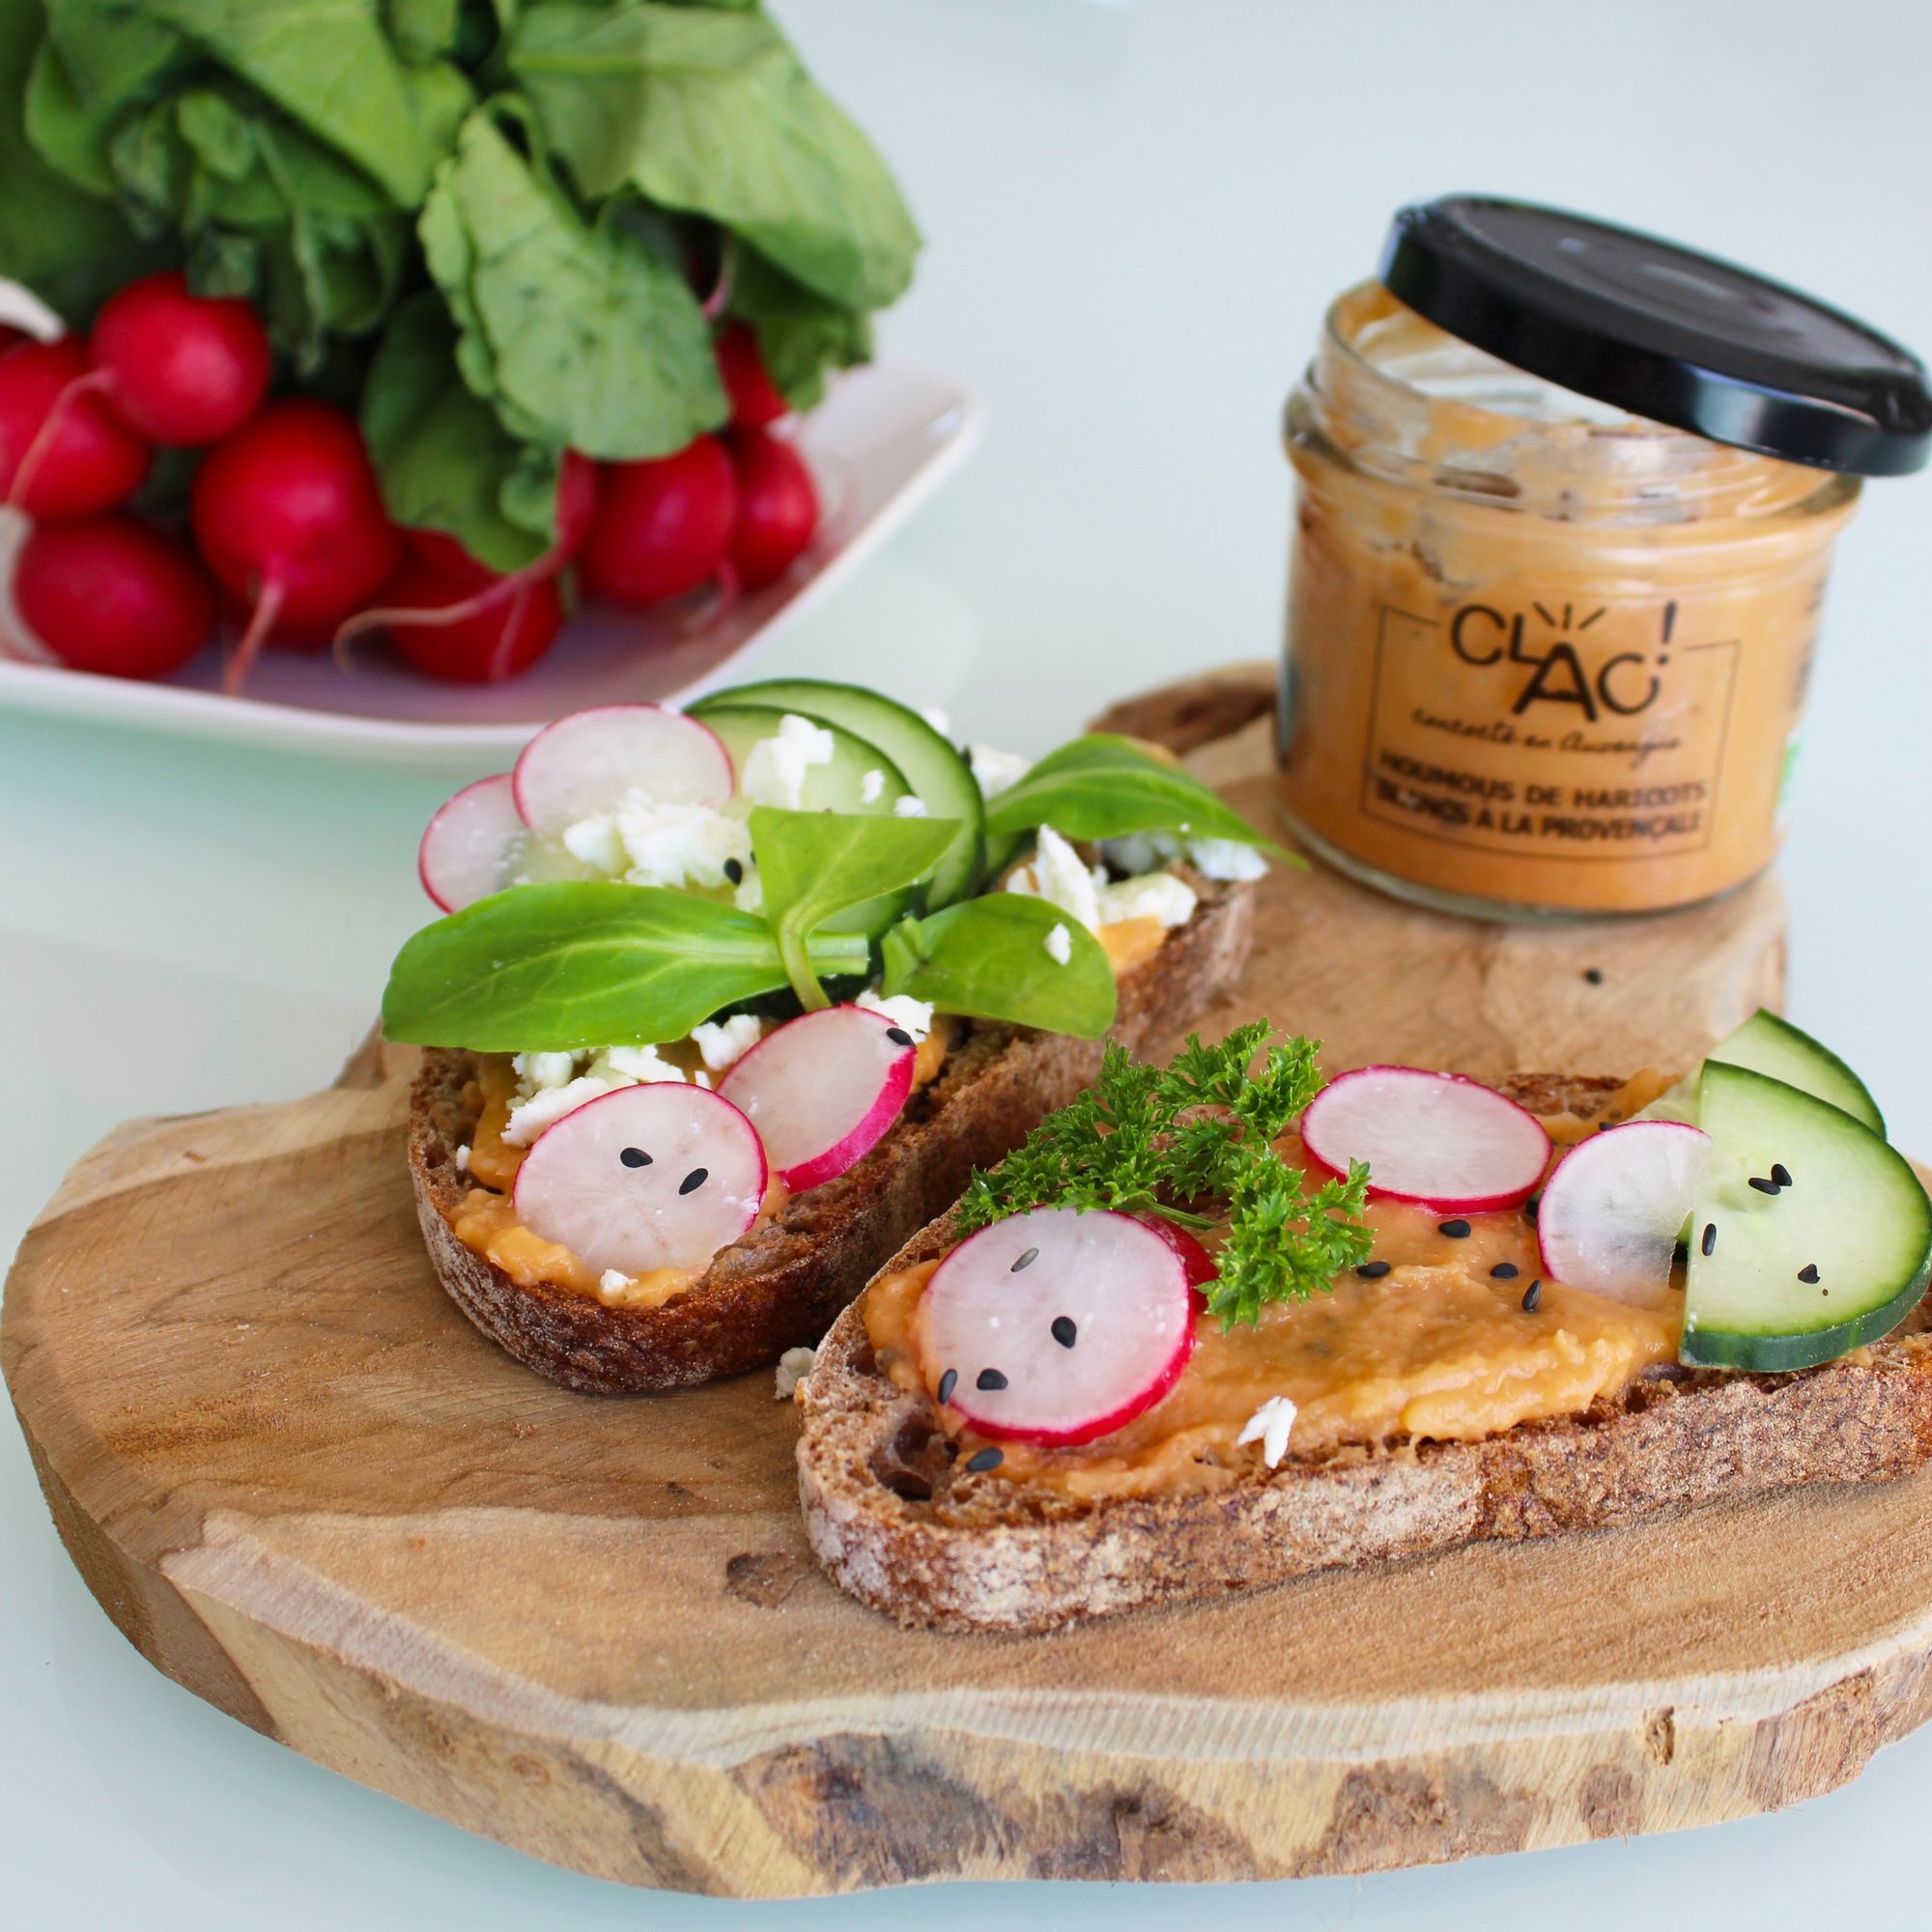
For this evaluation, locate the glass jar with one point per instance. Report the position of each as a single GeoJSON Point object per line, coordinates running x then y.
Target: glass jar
{"type": "Point", "coordinates": [1543, 658]}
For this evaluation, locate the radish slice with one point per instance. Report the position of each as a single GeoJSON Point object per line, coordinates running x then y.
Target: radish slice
{"type": "Point", "coordinates": [468, 847]}
{"type": "Point", "coordinates": [1615, 1205]}
{"type": "Point", "coordinates": [1196, 1262]}
{"type": "Point", "coordinates": [823, 1088]}
{"type": "Point", "coordinates": [1057, 1326]}
{"type": "Point", "coordinates": [587, 762]}
{"type": "Point", "coordinates": [1435, 1139]}
{"type": "Point", "coordinates": [652, 1177]}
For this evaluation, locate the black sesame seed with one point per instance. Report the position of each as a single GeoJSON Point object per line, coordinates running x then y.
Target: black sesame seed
{"type": "Point", "coordinates": [1763, 1185]}
{"type": "Point", "coordinates": [1595, 975]}
{"type": "Point", "coordinates": [1027, 1260]}
{"type": "Point", "coordinates": [1064, 1330]}
{"type": "Point", "coordinates": [1808, 1274]}
{"type": "Point", "coordinates": [1457, 1231]}
{"type": "Point", "coordinates": [635, 1157]}
{"type": "Point", "coordinates": [1504, 1272]}
{"type": "Point", "coordinates": [1532, 1297]}
{"type": "Point", "coordinates": [1373, 1270]}
{"type": "Point", "coordinates": [735, 870]}
{"type": "Point", "coordinates": [898, 1036]}
{"type": "Point", "coordinates": [983, 1460]}
{"type": "Point", "coordinates": [948, 1383]}
{"type": "Point", "coordinates": [989, 1380]}
{"type": "Point", "coordinates": [1709, 1244]}
{"type": "Point", "coordinates": [1780, 1174]}
{"type": "Point", "coordinates": [693, 1181]}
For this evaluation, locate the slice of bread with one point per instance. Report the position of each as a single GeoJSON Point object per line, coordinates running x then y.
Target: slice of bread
{"type": "Point", "coordinates": [779, 1286]}
{"type": "Point", "coordinates": [902, 1525]}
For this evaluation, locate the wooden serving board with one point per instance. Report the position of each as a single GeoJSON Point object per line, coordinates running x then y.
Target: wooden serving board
{"type": "Point", "coordinates": [306, 1488]}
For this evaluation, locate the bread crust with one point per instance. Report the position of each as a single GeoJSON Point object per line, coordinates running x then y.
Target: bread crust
{"type": "Point", "coordinates": [783, 1284]}
{"type": "Point", "coordinates": [904, 1528]}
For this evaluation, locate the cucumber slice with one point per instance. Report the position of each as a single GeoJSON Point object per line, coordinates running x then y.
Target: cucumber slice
{"type": "Point", "coordinates": [839, 786]}
{"type": "Point", "coordinates": [933, 768]}
{"type": "Point", "coordinates": [1854, 1211]}
{"type": "Point", "coordinates": [1775, 1048]}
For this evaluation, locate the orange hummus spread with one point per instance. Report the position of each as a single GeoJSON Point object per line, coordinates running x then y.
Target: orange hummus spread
{"type": "Point", "coordinates": [1440, 1348]}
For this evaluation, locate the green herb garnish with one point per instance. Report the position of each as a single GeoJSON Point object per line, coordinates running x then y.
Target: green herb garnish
{"type": "Point", "coordinates": [987, 959]}
{"type": "Point", "coordinates": [1158, 1140]}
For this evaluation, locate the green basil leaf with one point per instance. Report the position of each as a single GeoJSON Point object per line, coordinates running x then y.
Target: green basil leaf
{"type": "Point", "coordinates": [713, 113]}
{"type": "Point", "coordinates": [852, 869]}
{"type": "Point", "coordinates": [582, 963]}
{"type": "Point", "coordinates": [1101, 786]}
{"type": "Point", "coordinates": [443, 460]}
{"type": "Point", "coordinates": [577, 336]}
{"type": "Point", "coordinates": [987, 959]}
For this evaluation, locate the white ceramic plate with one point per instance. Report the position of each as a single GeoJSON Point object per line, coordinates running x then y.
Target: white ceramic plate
{"type": "Point", "coordinates": [883, 438]}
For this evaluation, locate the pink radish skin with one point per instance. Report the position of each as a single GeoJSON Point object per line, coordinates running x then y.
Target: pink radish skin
{"type": "Point", "coordinates": [62, 451]}
{"type": "Point", "coordinates": [613, 1180]}
{"type": "Point", "coordinates": [113, 596]}
{"type": "Point", "coordinates": [1196, 1262]}
{"type": "Point", "coordinates": [662, 526]}
{"type": "Point", "coordinates": [778, 508]}
{"type": "Point", "coordinates": [485, 643]}
{"type": "Point", "coordinates": [584, 763]}
{"type": "Point", "coordinates": [823, 1090]}
{"type": "Point", "coordinates": [1614, 1206]}
{"type": "Point", "coordinates": [756, 401]}
{"type": "Point", "coordinates": [1436, 1140]}
{"type": "Point", "coordinates": [1116, 1279]}
{"type": "Point", "coordinates": [467, 846]}
{"type": "Point", "coordinates": [180, 368]}
{"type": "Point", "coordinates": [287, 512]}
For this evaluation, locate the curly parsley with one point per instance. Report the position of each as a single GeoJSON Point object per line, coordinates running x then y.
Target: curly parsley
{"type": "Point", "coordinates": [1144, 1139]}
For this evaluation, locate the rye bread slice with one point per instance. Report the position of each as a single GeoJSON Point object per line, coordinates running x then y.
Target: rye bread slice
{"type": "Point", "coordinates": [781, 1284]}
{"type": "Point", "coordinates": [901, 1526]}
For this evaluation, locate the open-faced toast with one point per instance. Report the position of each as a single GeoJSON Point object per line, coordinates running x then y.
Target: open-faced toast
{"type": "Point", "coordinates": [782, 1284]}
{"type": "Point", "coordinates": [902, 1523]}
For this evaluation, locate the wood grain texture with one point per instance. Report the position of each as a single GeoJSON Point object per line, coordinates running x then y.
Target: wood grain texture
{"type": "Point", "coordinates": [305, 1487]}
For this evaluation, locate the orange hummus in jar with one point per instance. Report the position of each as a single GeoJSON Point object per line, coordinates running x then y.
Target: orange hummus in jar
{"type": "Point", "coordinates": [1547, 656]}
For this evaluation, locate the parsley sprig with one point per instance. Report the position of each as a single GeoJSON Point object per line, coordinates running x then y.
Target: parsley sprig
{"type": "Point", "coordinates": [1163, 1140]}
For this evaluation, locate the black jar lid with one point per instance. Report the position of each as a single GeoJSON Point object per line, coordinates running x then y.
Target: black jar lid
{"type": "Point", "coordinates": [1663, 333]}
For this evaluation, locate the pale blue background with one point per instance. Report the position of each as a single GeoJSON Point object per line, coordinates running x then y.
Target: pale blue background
{"type": "Point", "coordinates": [1137, 213]}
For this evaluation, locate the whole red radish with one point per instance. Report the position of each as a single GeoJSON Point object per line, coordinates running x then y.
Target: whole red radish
{"type": "Point", "coordinates": [288, 515]}
{"type": "Point", "coordinates": [62, 451]}
{"type": "Point", "coordinates": [181, 368]}
{"type": "Point", "coordinates": [480, 647]}
{"type": "Point", "coordinates": [755, 399]}
{"type": "Point", "coordinates": [662, 525]}
{"type": "Point", "coordinates": [108, 594]}
{"type": "Point", "coordinates": [576, 505]}
{"type": "Point", "coordinates": [777, 507]}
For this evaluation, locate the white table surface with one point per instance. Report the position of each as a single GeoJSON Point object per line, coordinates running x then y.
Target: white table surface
{"type": "Point", "coordinates": [1137, 213]}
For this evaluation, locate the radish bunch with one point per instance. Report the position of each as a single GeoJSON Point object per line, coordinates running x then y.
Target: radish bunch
{"type": "Point", "coordinates": [291, 538]}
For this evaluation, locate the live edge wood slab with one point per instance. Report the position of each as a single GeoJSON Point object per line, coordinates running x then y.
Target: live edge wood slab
{"type": "Point", "coordinates": [306, 1488]}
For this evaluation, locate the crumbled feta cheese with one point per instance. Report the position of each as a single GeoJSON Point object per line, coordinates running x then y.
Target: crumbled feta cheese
{"type": "Point", "coordinates": [1060, 946]}
{"type": "Point", "coordinates": [1270, 1425]}
{"type": "Point", "coordinates": [1160, 895]}
{"type": "Point", "coordinates": [937, 719]}
{"type": "Point", "coordinates": [908, 806]}
{"type": "Point", "coordinates": [902, 1010]}
{"type": "Point", "coordinates": [1225, 859]}
{"type": "Point", "coordinates": [774, 768]}
{"type": "Point", "coordinates": [632, 1065]}
{"type": "Point", "coordinates": [535, 1071]}
{"type": "Point", "coordinates": [751, 893]}
{"type": "Point", "coordinates": [680, 845]}
{"type": "Point", "coordinates": [595, 841]}
{"type": "Point", "coordinates": [614, 1285]}
{"type": "Point", "coordinates": [996, 771]}
{"type": "Point", "coordinates": [794, 1365]}
{"type": "Point", "coordinates": [462, 1158]}
{"type": "Point", "coordinates": [722, 1043]}
{"type": "Point", "coordinates": [871, 787]}
{"type": "Point", "coordinates": [1056, 875]}
{"type": "Point", "coordinates": [549, 1105]}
